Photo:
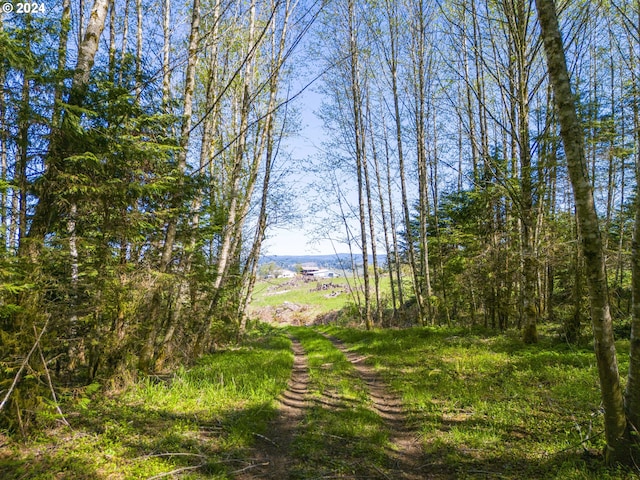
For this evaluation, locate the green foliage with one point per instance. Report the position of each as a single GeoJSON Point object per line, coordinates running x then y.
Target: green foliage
{"type": "Point", "coordinates": [197, 417]}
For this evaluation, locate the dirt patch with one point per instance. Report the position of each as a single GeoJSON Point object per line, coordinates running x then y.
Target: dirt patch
{"type": "Point", "coordinates": [287, 313]}
{"type": "Point", "coordinates": [407, 455]}
{"type": "Point", "coordinates": [272, 451]}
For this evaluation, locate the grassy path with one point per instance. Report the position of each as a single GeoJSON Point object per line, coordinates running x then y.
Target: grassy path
{"type": "Point", "coordinates": [407, 452]}
{"type": "Point", "coordinates": [337, 419]}
{"type": "Point", "coordinates": [432, 403]}
{"type": "Point", "coordinates": [273, 449]}
{"type": "Point", "coordinates": [340, 436]}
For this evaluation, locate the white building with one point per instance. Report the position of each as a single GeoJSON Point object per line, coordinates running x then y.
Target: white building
{"type": "Point", "coordinates": [323, 273]}
{"type": "Point", "coordinates": [284, 273]}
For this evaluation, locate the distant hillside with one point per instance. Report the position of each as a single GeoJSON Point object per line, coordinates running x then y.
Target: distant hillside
{"type": "Point", "coordinates": [338, 262]}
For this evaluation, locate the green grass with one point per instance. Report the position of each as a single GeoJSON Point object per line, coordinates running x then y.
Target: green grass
{"type": "Point", "coordinates": [203, 420]}
{"type": "Point", "coordinates": [486, 406]}
{"type": "Point", "coordinates": [489, 406]}
{"type": "Point", "coordinates": [271, 296]}
{"type": "Point", "coordinates": [273, 292]}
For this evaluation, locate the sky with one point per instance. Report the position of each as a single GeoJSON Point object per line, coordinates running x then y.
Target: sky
{"type": "Point", "coordinates": [298, 239]}
{"type": "Point", "coordinates": [301, 237]}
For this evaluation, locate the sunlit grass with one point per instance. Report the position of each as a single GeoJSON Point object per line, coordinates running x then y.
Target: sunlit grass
{"type": "Point", "coordinates": [273, 292]}
{"type": "Point", "coordinates": [488, 406]}
{"type": "Point", "coordinates": [484, 404]}
{"type": "Point", "coordinates": [203, 419]}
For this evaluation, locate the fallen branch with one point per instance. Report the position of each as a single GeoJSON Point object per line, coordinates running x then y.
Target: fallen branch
{"type": "Point", "coordinates": [264, 464]}
{"type": "Point", "coordinates": [177, 470]}
{"type": "Point", "coordinates": [381, 472]}
{"type": "Point", "coordinates": [16, 379]}
{"type": "Point", "coordinates": [171, 454]}
{"type": "Point", "coordinates": [267, 439]}
{"type": "Point", "coordinates": [53, 392]}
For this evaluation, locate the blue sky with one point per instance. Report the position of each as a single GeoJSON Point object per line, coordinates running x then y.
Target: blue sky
{"type": "Point", "coordinates": [297, 239]}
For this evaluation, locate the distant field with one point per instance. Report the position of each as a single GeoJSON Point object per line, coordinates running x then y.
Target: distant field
{"type": "Point", "coordinates": [326, 293]}
{"type": "Point", "coordinates": [299, 301]}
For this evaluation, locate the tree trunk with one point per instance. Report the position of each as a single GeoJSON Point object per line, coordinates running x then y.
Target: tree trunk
{"type": "Point", "coordinates": [271, 145]}
{"type": "Point", "coordinates": [393, 68]}
{"type": "Point", "coordinates": [529, 261]}
{"type": "Point", "coordinates": [372, 234]}
{"type": "Point", "coordinates": [360, 154]}
{"type": "Point", "coordinates": [65, 26]}
{"type": "Point", "coordinates": [112, 40]}
{"type": "Point", "coordinates": [149, 353]}
{"type": "Point", "coordinates": [571, 131]}
{"type": "Point", "coordinates": [423, 289]}
{"type": "Point", "coordinates": [235, 207]}
{"type": "Point", "coordinates": [166, 49]}
{"type": "Point", "coordinates": [125, 38]}
{"type": "Point", "coordinates": [383, 215]}
{"type": "Point", "coordinates": [23, 146]}
{"type": "Point", "coordinates": [139, 15]}
{"type": "Point", "coordinates": [189, 86]}
{"type": "Point", "coordinates": [632, 392]}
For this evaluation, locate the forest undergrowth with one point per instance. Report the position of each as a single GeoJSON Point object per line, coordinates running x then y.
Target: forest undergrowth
{"type": "Point", "coordinates": [485, 405]}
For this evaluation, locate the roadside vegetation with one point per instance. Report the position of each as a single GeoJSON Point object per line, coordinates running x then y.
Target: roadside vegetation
{"type": "Point", "coordinates": [198, 422]}
{"type": "Point", "coordinates": [489, 406]}
{"type": "Point", "coordinates": [485, 405]}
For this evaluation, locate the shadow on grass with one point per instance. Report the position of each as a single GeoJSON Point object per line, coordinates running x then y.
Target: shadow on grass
{"type": "Point", "coordinates": [45, 465]}
{"type": "Point", "coordinates": [489, 406]}
{"type": "Point", "coordinates": [465, 447]}
{"type": "Point", "coordinates": [201, 423]}
{"type": "Point", "coordinates": [445, 462]}
{"type": "Point", "coordinates": [340, 441]}
{"type": "Point", "coordinates": [475, 423]}
{"type": "Point", "coordinates": [137, 442]}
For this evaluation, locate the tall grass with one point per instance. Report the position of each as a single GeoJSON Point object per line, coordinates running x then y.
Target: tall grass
{"type": "Point", "coordinates": [201, 420]}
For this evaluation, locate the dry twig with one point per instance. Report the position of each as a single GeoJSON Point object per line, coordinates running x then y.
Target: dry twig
{"type": "Point", "coordinates": [264, 464]}
{"type": "Point", "coordinates": [16, 379]}
{"type": "Point", "coordinates": [53, 392]}
{"type": "Point", "coordinates": [173, 472]}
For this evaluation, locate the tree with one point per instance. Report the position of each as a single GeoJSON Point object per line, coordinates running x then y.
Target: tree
{"type": "Point", "coordinates": [616, 426]}
{"type": "Point", "coordinates": [632, 392]}
{"type": "Point", "coordinates": [61, 143]}
{"type": "Point", "coordinates": [153, 350]}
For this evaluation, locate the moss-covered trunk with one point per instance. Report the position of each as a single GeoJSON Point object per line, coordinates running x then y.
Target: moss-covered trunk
{"type": "Point", "coordinates": [573, 139]}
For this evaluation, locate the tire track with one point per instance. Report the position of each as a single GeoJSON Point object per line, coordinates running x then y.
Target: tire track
{"type": "Point", "coordinates": [407, 454]}
{"type": "Point", "coordinates": [272, 452]}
